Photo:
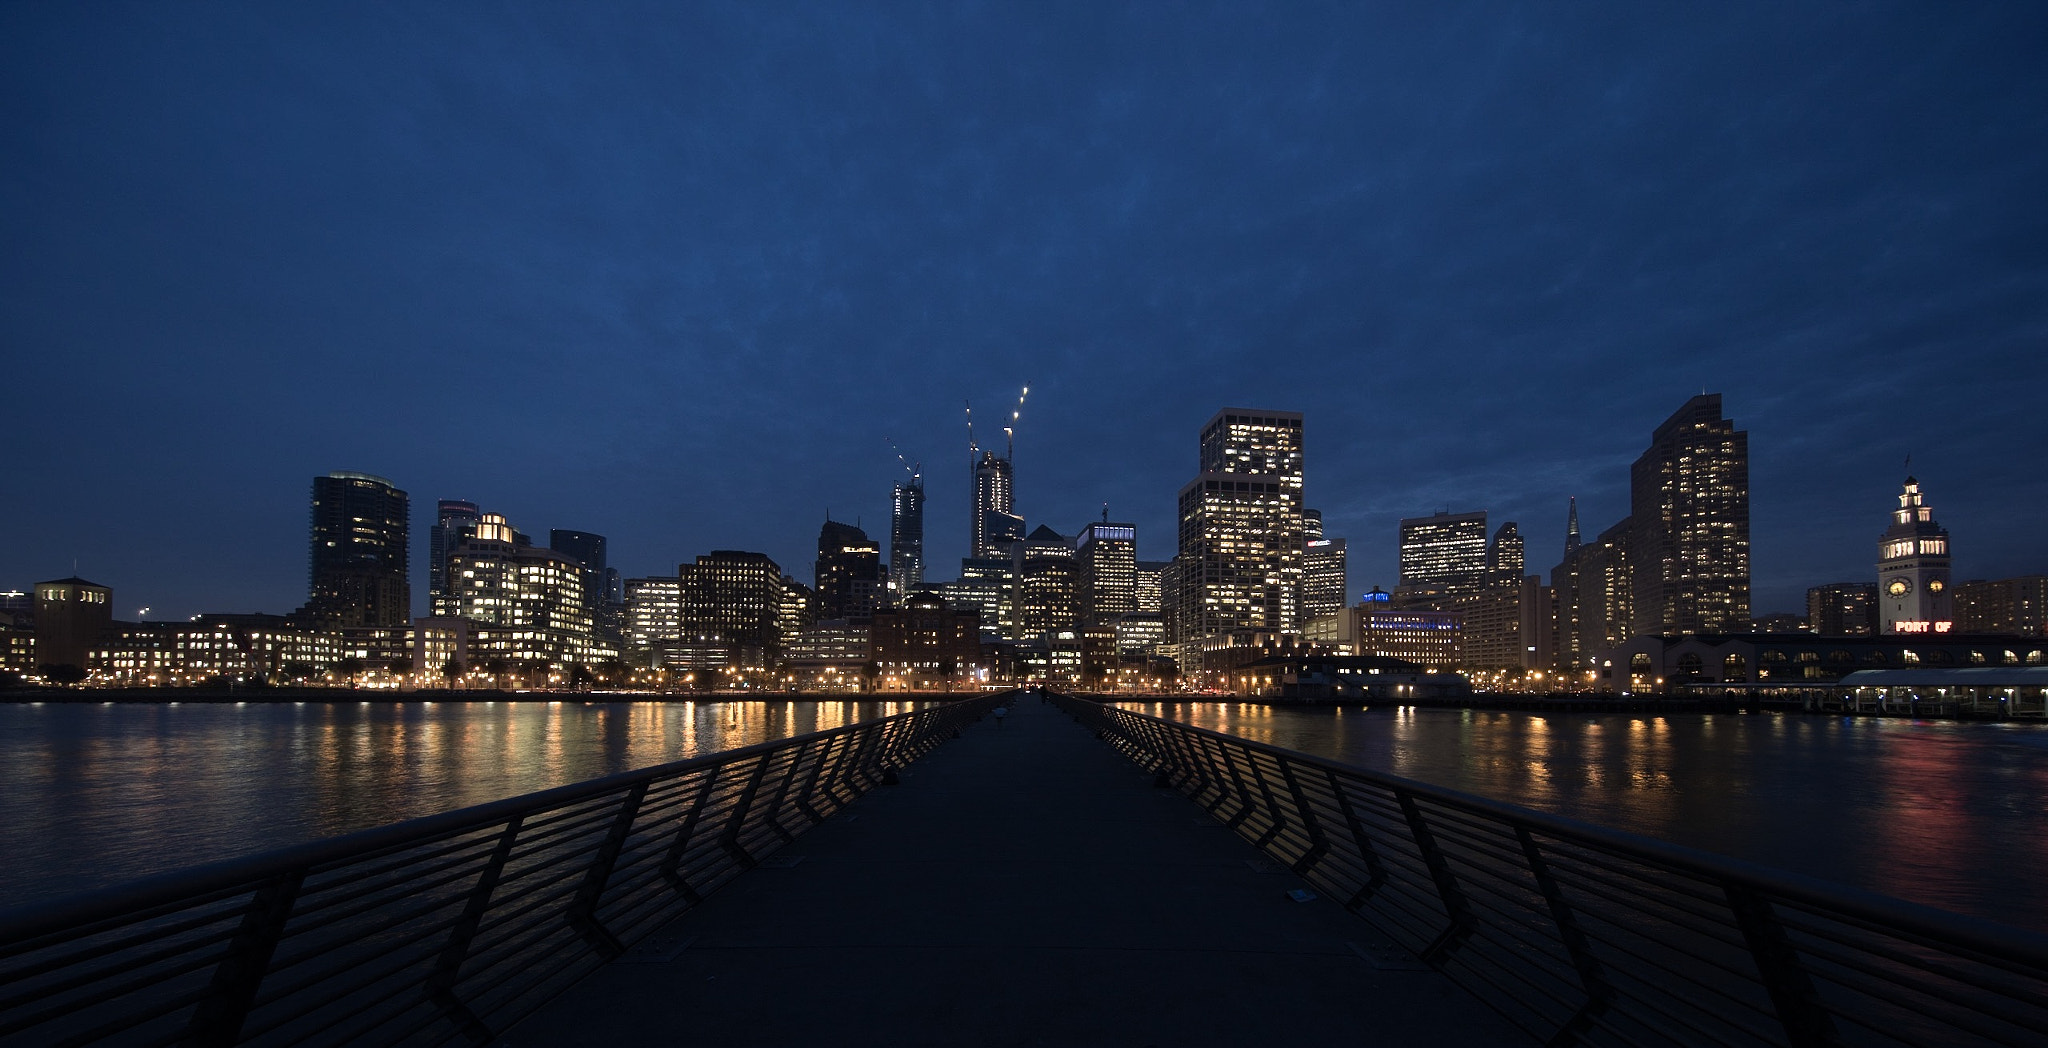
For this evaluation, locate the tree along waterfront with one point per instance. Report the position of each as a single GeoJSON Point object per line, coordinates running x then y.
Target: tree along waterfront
{"type": "Point", "coordinates": [1948, 814]}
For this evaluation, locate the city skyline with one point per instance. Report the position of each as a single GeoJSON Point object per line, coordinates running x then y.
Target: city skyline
{"type": "Point", "coordinates": [1480, 270]}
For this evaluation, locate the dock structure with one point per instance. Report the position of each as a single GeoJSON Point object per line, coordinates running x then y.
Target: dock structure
{"type": "Point", "coordinates": [1024, 885]}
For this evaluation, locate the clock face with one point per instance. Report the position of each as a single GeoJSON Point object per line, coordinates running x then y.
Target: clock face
{"type": "Point", "coordinates": [1898, 587]}
{"type": "Point", "coordinates": [1934, 585]}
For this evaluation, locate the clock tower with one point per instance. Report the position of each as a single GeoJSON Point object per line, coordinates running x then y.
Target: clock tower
{"type": "Point", "coordinates": [1912, 570]}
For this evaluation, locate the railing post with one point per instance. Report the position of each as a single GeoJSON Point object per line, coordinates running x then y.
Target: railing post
{"type": "Point", "coordinates": [1455, 906]}
{"type": "Point", "coordinates": [735, 822]}
{"type": "Point", "coordinates": [1375, 870]}
{"type": "Point", "coordinates": [803, 797]}
{"type": "Point", "coordinates": [583, 909]}
{"type": "Point", "coordinates": [1318, 844]}
{"type": "Point", "coordinates": [1592, 978]}
{"type": "Point", "coordinates": [218, 1018]}
{"type": "Point", "coordinates": [672, 864]}
{"type": "Point", "coordinates": [1273, 812]}
{"type": "Point", "coordinates": [1235, 779]}
{"type": "Point", "coordinates": [774, 815]}
{"type": "Point", "coordinates": [1806, 1021]}
{"type": "Point", "coordinates": [448, 968]}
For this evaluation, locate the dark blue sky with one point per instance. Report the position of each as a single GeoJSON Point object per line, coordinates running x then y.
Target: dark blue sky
{"type": "Point", "coordinates": [675, 273]}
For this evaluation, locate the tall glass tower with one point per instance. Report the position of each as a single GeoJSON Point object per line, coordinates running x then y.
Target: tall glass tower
{"type": "Point", "coordinates": [906, 534]}
{"type": "Point", "coordinates": [997, 526]}
{"type": "Point", "coordinates": [1241, 529]}
{"type": "Point", "coordinates": [453, 519]}
{"type": "Point", "coordinates": [359, 568]}
{"type": "Point", "coordinates": [1689, 524]}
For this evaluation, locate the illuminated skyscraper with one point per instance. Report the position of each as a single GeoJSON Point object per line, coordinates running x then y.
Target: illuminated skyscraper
{"type": "Point", "coordinates": [359, 553]}
{"type": "Point", "coordinates": [996, 524]}
{"type": "Point", "coordinates": [1323, 583]}
{"type": "Point", "coordinates": [588, 550]}
{"type": "Point", "coordinates": [453, 518]}
{"type": "Point", "coordinates": [1689, 524]}
{"type": "Point", "coordinates": [1109, 570]}
{"type": "Point", "coordinates": [906, 535]}
{"type": "Point", "coordinates": [1444, 554]}
{"type": "Point", "coordinates": [734, 599]}
{"type": "Point", "coordinates": [528, 601]}
{"type": "Point", "coordinates": [1047, 583]}
{"type": "Point", "coordinates": [1912, 570]}
{"type": "Point", "coordinates": [1504, 557]}
{"type": "Point", "coordinates": [1241, 545]}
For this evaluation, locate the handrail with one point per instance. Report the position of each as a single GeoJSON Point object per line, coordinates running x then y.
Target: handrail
{"type": "Point", "coordinates": [442, 929]}
{"type": "Point", "coordinates": [1583, 934]}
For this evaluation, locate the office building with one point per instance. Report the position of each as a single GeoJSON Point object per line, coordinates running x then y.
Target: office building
{"type": "Point", "coordinates": [526, 600]}
{"type": "Point", "coordinates": [1595, 593]}
{"type": "Point", "coordinates": [1432, 639]}
{"type": "Point", "coordinates": [1689, 524]}
{"type": "Point", "coordinates": [925, 644]}
{"type": "Point", "coordinates": [849, 579]}
{"type": "Point", "coordinates": [588, 550]}
{"type": "Point", "coordinates": [2005, 607]}
{"type": "Point", "coordinates": [987, 586]}
{"type": "Point", "coordinates": [1508, 629]}
{"type": "Point", "coordinates": [733, 600]}
{"type": "Point", "coordinates": [654, 615]}
{"type": "Point", "coordinates": [1240, 563]}
{"type": "Point", "coordinates": [1323, 585]}
{"type": "Point", "coordinates": [1842, 609]}
{"type": "Point", "coordinates": [996, 523]}
{"type": "Point", "coordinates": [359, 553]}
{"type": "Point", "coordinates": [453, 518]}
{"type": "Point", "coordinates": [1147, 583]}
{"type": "Point", "coordinates": [1047, 583]}
{"type": "Point", "coordinates": [906, 535]}
{"type": "Point", "coordinates": [1442, 554]}
{"type": "Point", "coordinates": [798, 611]}
{"type": "Point", "coordinates": [71, 617]}
{"type": "Point", "coordinates": [1108, 556]}
{"type": "Point", "coordinates": [1504, 560]}
{"type": "Point", "coordinates": [1913, 570]}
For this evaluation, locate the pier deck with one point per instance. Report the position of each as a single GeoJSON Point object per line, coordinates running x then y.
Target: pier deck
{"type": "Point", "coordinates": [1024, 885]}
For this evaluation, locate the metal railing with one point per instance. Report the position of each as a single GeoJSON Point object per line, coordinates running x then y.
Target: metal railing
{"type": "Point", "coordinates": [1583, 935]}
{"type": "Point", "coordinates": [436, 930]}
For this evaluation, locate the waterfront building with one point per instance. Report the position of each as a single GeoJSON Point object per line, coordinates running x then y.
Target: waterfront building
{"type": "Point", "coordinates": [1442, 554]}
{"type": "Point", "coordinates": [1913, 569]}
{"type": "Point", "coordinates": [1311, 678]}
{"type": "Point", "coordinates": [17, 642]}
{"type": "Point", "coordinates": [654, 615]}
{"type": "Point", "coordinates": [531, 596]}
{"type": "Point", "coordinates": [1689, 524]}
{"type": "Point", "coordinates": [995, 520]}
{"type": "Point", "coordinates": [1508, 629]}
{"type": "Point", "coordinates": [254, 648]}
{"type": "Point", "coordinates": [1842, 609]}
{"type": "Point", "coordinates": [2012, 607]}
{"type": "Point", "coordinates": [359, 553]}
{"type": "Point", "coordinates": [72, 615]}
{"type": "Point", "coordinates": [1108, 558]}
{"type": "Point", "coordinates": [1432, 639]}
{"type": "Point", "coordinates": [849, 578]}
{"type": "Point", "coordinates": [906, 535]}
{"type": "Point", "coordinates": [453, 518]}
{"type": "Point", "coordinates": [924, 644]}
{"type": "Point", "coordinates": [1239, 569]}
{"type": "Point", "coordinates": [1788, 662]}
{"type": "Point", "coordinates": [441, 644]}
{"type": "Point", "coordinates": [138, 654]}
{"type": "Point", "coordinates": [587, 549]}
{"type": "Point", "coordinates": [1139, 634]}
{"type": "Point", "coordinates": [734, 599]}
{"type": "Point", "coordinates": [799, 609]}
{"type": "Point", "coordinates": [831, 653]}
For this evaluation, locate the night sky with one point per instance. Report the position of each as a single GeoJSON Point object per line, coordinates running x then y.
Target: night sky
{"type": "Point", "coordinates": [678, 273]}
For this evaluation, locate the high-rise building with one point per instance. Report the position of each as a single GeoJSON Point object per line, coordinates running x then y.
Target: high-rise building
{"type": "Point", "coordinates": [1913, 569]}
{"type": "Point", "coordinates": [527, 600]}
{"type": "Point", "coordinates": [359, 552]}
{"type": "Point", "coordinates": [1109, 570]}
{"type": "Point", "coordinates": [588, 550]}
{"type": "Point", "coordinates": [1595, 593]}
{"type": "Point", "coordinates": [996, 523]}
{"type": "Point", "coordinates": [2005, 607]}
{"type": "Point", "coordinates": [1147, 582]}
{"type": "Point", "coordinates": [1504, 557]}
{"type": "Point", "coordinates": [1842, 609]}
{"type": "Point", "coordinates": [906, 535]}
{"type": "Point", "coordinates": [1571, 528]}
{"type": "Point", "coordinates": [1443, 554]}
{"type": "Point", "coordinates": [799, 610]}
{"type": "Point", "coordinates": [1323, 585]}
{"type": "Point", "coordinates": [654, 613]}
{"type": "Point", "coordinates": [849, 573]}
{"type": "Point", "coordinates": [1048, 583]}
{"type": "Point", "coordinates": [1241, 546]}
{"type": "Point", "coordinates": [452, 519]}
{"type": "Point", "coordinates": [734, 599]}
{"type": "Point", "coordinates": [988, 587]}
{"type": "Point", "coordinates": [1689, 524]}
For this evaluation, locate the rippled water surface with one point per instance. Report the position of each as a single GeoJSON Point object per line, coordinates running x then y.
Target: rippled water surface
{"type": "Point", "coordinates": [1949, 814]}
{"type": "Point", "coordinates": [97, 794]}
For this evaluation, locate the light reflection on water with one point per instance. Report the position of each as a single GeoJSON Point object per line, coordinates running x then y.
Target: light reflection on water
{"type": "Point", "coordinates": [1948, 814]}
{"type": "Point", "coordinates": [98, 794]}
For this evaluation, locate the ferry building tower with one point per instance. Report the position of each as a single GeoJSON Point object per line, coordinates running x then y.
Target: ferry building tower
{"type": "Point", "coordinates": [1912, 570]}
